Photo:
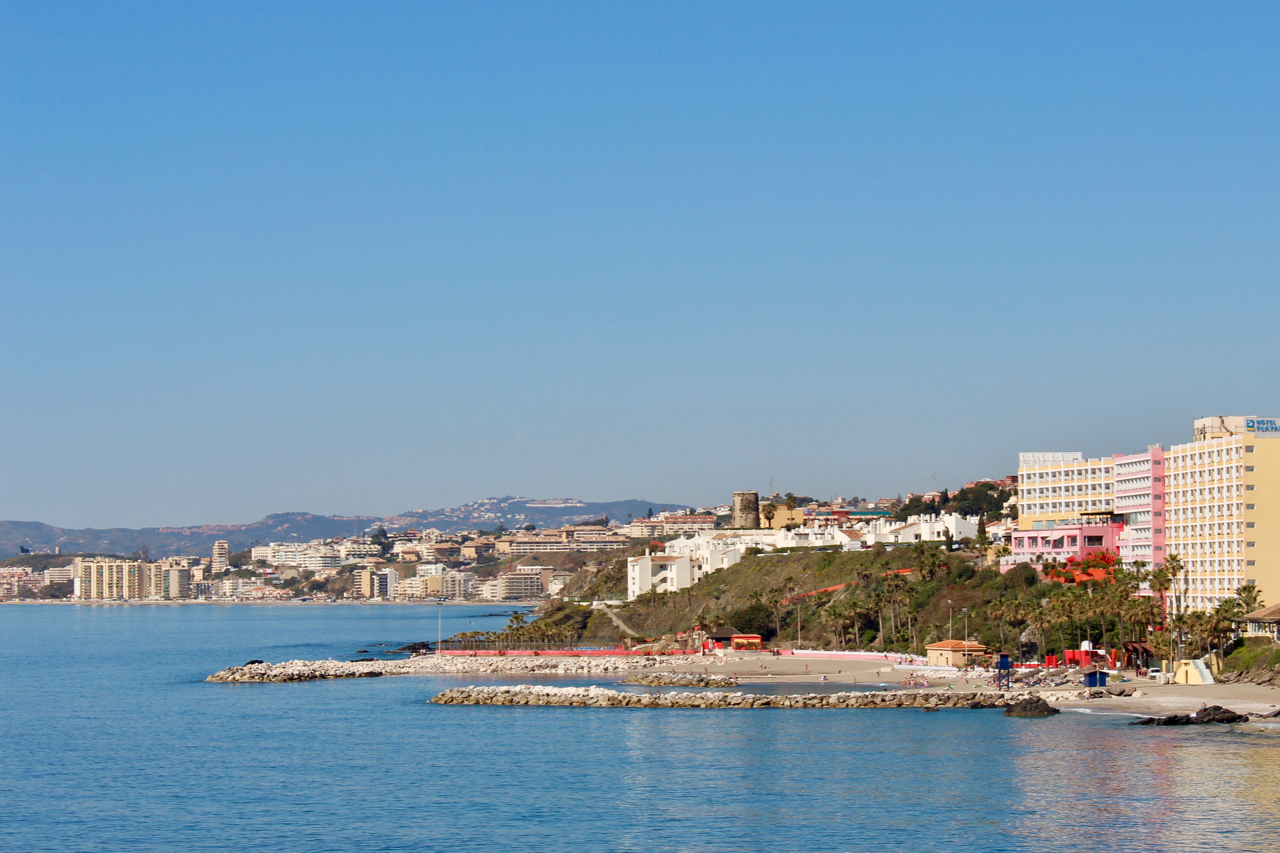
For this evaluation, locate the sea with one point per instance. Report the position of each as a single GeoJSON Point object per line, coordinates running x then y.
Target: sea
{"type": "Point", "coordinates": [111, 740]}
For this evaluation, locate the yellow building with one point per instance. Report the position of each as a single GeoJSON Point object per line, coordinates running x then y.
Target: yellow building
{"type": "Point", "coordinates": [1063, 488]}
{"type": "Point", "coordinates": [1222, 498]}
{"type": "Point", "coordinates": [110, 579]}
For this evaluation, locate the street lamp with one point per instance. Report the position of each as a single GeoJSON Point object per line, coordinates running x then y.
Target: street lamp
{"type": "Point", "coordinates": [951, 634]}
{"type": "Point", "coordinates": [965, 611]}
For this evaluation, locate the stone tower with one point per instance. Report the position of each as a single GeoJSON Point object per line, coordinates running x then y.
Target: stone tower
{"type": "Point", "coordinates": [746, 509]}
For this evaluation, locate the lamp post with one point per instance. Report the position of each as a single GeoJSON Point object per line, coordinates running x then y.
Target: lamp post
{"type": "Point", "coordinates": [951, 634]}
{"type": "Point", "coordinates": [965, 611]}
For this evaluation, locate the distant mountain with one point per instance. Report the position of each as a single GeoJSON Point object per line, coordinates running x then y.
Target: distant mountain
{"type": "Point", "coordinates": [511, 512]}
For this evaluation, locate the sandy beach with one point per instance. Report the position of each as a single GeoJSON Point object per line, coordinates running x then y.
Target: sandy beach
{"type": "Point", "coordinates": [1157, 700]}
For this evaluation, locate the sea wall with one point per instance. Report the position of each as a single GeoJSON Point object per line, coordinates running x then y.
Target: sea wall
{"type": "Point", "coordinates": [680, 679]}
{"type": "Point", "coordinates": [312, 670]}
{"type": "Point", "coordinates": [600, 697]}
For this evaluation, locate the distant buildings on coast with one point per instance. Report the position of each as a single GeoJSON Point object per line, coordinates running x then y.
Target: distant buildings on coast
{"type": "Point", "coordinates": [1210, 501]}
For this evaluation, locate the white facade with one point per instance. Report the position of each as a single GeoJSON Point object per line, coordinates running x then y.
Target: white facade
{"type": "Point", "coordinates": [660, 573]}
{"type": "Point", "coordinates": [920, 528]}
{"type": "Point", "coordinates": [322, 561]}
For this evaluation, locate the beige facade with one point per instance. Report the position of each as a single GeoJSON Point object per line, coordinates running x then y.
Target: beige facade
{"type": "Point", "coordinates": [1063, 488]}
{"type": "Point", "coordinates": [110, 579]}
{"type": "Point", "coordinates": [1222, 496]}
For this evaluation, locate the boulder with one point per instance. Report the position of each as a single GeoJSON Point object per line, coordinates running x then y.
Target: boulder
{"type": "Point", "coordinates": [1211, 714]}
{"type": "Point", "coordinates": [1032, 706]}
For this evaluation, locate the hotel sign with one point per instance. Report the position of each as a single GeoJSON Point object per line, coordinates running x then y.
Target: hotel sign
{"type": "Point", "coordinates": [1261, 425]}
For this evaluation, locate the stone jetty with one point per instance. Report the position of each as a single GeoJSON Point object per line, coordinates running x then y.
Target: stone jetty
{"type": "Point", "coordinates": [680, 679]}
{"type": "Point", "coordinates": [600, 697]}
{"type": "Point", "coordinates": [312, 670]}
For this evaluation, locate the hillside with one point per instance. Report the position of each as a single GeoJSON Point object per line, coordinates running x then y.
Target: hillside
{"type": "Point", "coordinates": [511, 512]}
{"type": "Point", "coordinates": [899, 599]}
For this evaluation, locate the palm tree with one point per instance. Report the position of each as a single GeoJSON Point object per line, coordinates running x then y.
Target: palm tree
{"type": "Point", "coordinates": [1250, 599]}
{"type": "Point", "coordinates": [769, 510]}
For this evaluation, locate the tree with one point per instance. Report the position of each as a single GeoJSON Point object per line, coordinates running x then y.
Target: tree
{"type": "Point", "coordinates": [791, 501]}
{"type": "Point", "coordinates": [1250, 599]}
{"type": "Point", "coordinates": [982, 540]}
{"type": "Point", "coordinates": [769, 510]}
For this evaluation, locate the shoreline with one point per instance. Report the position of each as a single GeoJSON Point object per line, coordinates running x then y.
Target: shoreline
{"type": "Point", "coordinates": [1152, 700]}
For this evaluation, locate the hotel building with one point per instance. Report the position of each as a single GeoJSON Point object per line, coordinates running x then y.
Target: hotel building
{"type": "Point", "coordinates": [1223, 495]}
{"type": "Point", "coordinates": [1063, 488]}
{"type": "Point", "coordinates": [1212, 502]}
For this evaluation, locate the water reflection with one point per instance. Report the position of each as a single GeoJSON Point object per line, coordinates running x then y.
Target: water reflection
{"type": "Point", "coordinates": [1109, 786]}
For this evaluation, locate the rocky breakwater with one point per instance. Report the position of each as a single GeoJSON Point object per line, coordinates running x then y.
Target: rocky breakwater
{"type": "Point", "coordinates": [680, 679]}
{"type": "Point", "coordinates": [312, 670]}
{"type": "Point", "coordinates": [600, 697]}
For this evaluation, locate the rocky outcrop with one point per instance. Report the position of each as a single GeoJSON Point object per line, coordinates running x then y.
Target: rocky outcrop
{"type": "Point", "coordinates": [1032, 706]}
{"type": "Point", "coordinates": [1264, 675]}
{"type": "Point", "coordinates": [1211, 714]}
{"type": "Point", "coordinates": [600, 697]}
{"type": "Point", "coordinates": [680, 679]}
{"type": "Point", "coordinates": [312, 670]}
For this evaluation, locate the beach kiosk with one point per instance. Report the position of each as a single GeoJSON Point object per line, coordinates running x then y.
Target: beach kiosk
{"type": "Point", "coordinates": [957, 653]}
{"type": "Point", "coordinates": [722, 638]}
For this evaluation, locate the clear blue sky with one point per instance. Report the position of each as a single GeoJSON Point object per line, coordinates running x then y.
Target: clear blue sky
{"type": "Point", "coordinates": [370, 257]}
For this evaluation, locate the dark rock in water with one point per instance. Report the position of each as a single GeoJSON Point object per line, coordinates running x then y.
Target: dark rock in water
{"type": "Point", "coordinates": [1211, 714]}
{"type": "Point", "coordinates": [926, 709]}
{"type": "Point", "coordinates": [365, 660]}
{"type": "Point", "coordinates": [415, 648]}
{"type": "Point", "coordinates": [255, 660]}
{"type": "Point", "coordinates": [1270, 716]}
{"type": "Point", "coordinates": [362, 651]}
{"type": "Point", "coordinates": [1031, 707]}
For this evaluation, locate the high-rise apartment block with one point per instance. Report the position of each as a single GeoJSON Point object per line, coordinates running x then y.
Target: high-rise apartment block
{"type": "Point", "coordinates": [110, 579]}
{"type": "Point", "coordinates": [221, 556]}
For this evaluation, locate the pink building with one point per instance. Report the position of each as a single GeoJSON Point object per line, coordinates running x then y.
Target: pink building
{"type": "Point", "coordinates": [1139, 501]}
{"type": "Point", "coordinates": [1038, 547]}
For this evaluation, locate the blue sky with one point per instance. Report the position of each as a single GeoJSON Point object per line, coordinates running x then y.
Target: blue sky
{"type": "Point", "coordinates": [362, 258]}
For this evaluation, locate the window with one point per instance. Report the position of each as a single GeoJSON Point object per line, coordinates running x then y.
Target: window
{"type": "Point", "coordinates": [1093, 541]}
{"type": "Point", "coordinates": [1248, 448]}
{"type": "Point", "coordinates": [1072, 541]}
{"type": "Point", "coordinates": [1251, 562]}
{"type": "Point", "coordinates": [1249, 524]}
{"type": "Point", "coordinates": [1250, 506]}
{"type": "Point", "coordinates": [1250, 544]}
{"type": "Point", "coordinates": [1248, 469]}
{"type": "Point", "coordinates": [1158, 532]}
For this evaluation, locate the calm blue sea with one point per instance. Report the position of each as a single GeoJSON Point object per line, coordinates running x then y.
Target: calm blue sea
{"type": "Point", "coordinates": [111, 741]}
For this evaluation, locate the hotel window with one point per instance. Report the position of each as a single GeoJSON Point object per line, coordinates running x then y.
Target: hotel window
{"type": "Point", "coordinates": [1093, 541]}
{"type": "Point", "coordinates": [1251, 562]}
{"type": "Point", "coordinates": [1072, 541]}
{"type": "Point", "coordinates": [1250, 506]}
{"type": "Point", "coordinates": [1249, 487]}
{"type": "Point", "coordinates": [1249, 524]}
{"type": "Point", "coordinates": [1251, 544]}
{"type": "Point", "coordinates": [1248, 448]}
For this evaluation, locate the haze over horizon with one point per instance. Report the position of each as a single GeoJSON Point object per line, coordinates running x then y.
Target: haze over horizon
{"type": "Point", "coordinates": [355, 259]}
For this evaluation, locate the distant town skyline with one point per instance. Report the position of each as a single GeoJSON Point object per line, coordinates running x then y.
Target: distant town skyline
{"type": "Point", "coordinates": [354, 259]}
